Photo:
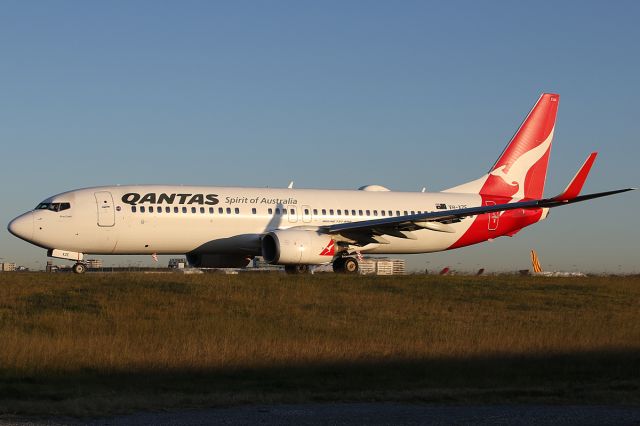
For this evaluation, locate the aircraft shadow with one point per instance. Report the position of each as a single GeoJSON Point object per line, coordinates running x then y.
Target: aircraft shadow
{"type": "Point", "coordinates": [606, 376]}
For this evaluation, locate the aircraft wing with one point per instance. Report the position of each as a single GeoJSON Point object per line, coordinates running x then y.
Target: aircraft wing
{"type": "Point", "coordinates": [438, 221]}
{"type": "Point", "coordinates": [367, 231]}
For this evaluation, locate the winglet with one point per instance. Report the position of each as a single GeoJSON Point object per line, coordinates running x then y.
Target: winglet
{"type": "Point", "coordinates": [575, 186]}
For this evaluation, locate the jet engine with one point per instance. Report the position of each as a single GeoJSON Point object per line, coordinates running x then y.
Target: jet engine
{"type": "Point", "coordinates": [297, 247]}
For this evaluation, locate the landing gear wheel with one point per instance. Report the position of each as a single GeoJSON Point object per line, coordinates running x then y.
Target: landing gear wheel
{"type": "Point", "coordinates": [350, 265]}
{"type": "Point", "coordinates": [79, 268]}
{"type": "Point", "coordinates": [345, 265]}
{"type": "Point", "coordinates": [296, 269]}
{"type": "Point", "coordinates": [338, 265]}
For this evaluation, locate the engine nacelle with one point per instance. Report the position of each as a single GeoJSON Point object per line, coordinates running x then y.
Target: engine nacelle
{"type": "Point", "coordinates": [205, 260]}
{"type": "Point", "coordinates": [297, 247]}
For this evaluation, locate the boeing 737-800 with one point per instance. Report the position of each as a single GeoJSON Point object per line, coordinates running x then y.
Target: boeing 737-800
{"type": "Point", "coordinates": [227, 226]}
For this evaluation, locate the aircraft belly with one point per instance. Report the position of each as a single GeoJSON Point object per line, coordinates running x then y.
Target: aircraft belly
{"type": "Point", "coordinates": [426, 241]}
{"type": "Point", "coordinates": [202, 235]}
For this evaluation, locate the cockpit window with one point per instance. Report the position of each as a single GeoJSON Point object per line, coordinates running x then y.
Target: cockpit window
{"type": "Point", "coordinates": [54, 207]}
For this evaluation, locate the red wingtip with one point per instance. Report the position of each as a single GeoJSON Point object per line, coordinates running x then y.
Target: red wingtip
{"type": "Point", "coordinates": [576, 184]}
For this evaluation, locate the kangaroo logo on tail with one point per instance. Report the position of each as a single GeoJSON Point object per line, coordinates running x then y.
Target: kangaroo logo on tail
{"type": "Point", "coordinates": [514, 174]}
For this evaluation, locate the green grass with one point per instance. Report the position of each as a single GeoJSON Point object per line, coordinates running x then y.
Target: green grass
{"type": "Point", "coordinates": [106, 343]}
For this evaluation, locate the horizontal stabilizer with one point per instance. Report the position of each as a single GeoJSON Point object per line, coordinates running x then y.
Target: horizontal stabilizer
{"type": "Point", "coordinates": [575, 186]}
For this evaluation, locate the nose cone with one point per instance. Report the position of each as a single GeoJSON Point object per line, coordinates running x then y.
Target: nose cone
{"type": "Point", "coordinates": [22, 226]}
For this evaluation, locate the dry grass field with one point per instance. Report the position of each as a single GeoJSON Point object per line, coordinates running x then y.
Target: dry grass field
{"type": "Point", "coordinates": [105, 343]}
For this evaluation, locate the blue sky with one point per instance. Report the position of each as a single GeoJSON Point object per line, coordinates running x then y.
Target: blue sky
{"type": "Point", "coordinates": [329, 94]}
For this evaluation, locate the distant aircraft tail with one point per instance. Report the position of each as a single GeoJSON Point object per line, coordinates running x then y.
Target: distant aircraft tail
{"type": "Point", "coordinates": [535, 262]}
{"type": "Point", "coordinates": [521, 170]}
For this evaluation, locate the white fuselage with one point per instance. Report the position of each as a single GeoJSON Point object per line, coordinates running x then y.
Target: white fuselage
{"type": "Point", "coordinates": [227, 220]}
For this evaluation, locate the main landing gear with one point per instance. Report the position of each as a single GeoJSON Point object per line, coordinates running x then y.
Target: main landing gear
{"type": "Point", "coordinates": [342, 265]}
{"type": "Point", "coordinates": [346, 265]}
{"type": "Point", "coordinates": [79, 268]}
{"type": "Point", "coordinates": [296, 269]}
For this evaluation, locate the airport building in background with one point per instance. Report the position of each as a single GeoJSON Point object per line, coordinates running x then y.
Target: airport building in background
{"type": "Point", "coordinates": [94, 263]}
{"type": "Point", "coordinates": [7, 267]}
{"type": "Point", "coordinates": [382, 266]}
{"type": "Point", "coordinates": [177, 263]}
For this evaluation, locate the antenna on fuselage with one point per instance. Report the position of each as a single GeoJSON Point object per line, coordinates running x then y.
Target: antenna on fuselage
{"type": "Point", "coordinates": [290, 185]}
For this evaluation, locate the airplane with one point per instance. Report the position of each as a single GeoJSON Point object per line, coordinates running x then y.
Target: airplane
{"type": "Point", "coordinates": [227, 226]}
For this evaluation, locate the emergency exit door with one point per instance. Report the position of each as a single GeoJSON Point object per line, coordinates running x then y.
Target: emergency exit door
{"type": "Point", "coordinates": [106, 212]}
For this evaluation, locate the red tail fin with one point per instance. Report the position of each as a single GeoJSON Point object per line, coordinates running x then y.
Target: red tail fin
{"type": "Point", "coordinates": [521, 169]}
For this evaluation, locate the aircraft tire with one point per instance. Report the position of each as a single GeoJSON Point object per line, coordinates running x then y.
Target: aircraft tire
{"type": "Point", "coordinates": [350, 265]}
{"type": "Point", "coordinates": [338, 265]}
{"type": "Point", "coordinates": [79, 268]}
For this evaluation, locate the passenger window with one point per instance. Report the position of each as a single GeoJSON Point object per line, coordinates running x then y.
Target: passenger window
{"type": "Point", "coordinates": [211, 210]}
{"type": "Point", "coordinates": [331, 212]}
{"type": "Point", "coordinates": [359, 212]}
{"type": "Point", "coordinates": [253, 210]}
{"type": "Point", "coordinates": [315, 212]}
{"type": "Point", "coordinates": [193, 209]}
{"type": "Point", "coordinates": [237, 210]}
{"type": "Point", "coordinates": [150, 209]}
{"type": "Point", "coordinates": [306, 211]}
{"type": "Point", "coordinates": [324, 212]}
{"type": "Point", "coordinates": [228, 210]}
{"type": "Point", "coordinates": [159, 209]}
{"type": "Point", "coordinates": [353, 212]}
{"type": "Point", "coordinates": [368, 212]}
{"type": "Point", "coordinates": [390, 212]}
{"type": "Point", "coordinates": [339, 212]}
{"type": "Point", "coordinates": [277, 210]}
{"type": "Point", "coordinates": [270, 211]}
{"type": "Point", "coordinates": [375, 212]}
{"type": "Point", "coordinates": [176, 210]}
{"type": "Point", "coordinates": [133, 209]}
{"type": "Point", "coordinates": [184, 210]}
{"type": "Point", "coordinates": [406, 213]}
{"type": "Point", "coordinates": [220, 210]}
{"type": "Point", "coordinates": [202, 210]}
{"type": "Point", "coordinates": [141, 209]}
{"type": "Point", "coordinates": [346, 212]}
{"type": "Point", "coordinates": [292, 211]}
{"type": "Point", "coordinates": [383, 213]}
{"type": "Point", "coordinates": [397, 212]}
{"type": "Point", "coordinates": [412, 212]}
{"type": "Point", "coordinates": [167, 209]}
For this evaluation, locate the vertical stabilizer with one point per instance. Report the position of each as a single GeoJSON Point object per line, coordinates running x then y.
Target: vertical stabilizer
{"type": "Point", "coordinates": [521, 170]}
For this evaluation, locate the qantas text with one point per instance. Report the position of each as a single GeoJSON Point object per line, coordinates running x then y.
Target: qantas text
{"type": "Point", "coordinates": [134, 198]}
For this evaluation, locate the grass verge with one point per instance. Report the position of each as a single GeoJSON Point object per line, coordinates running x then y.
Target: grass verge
{"type": "Point", "coordinates": [110, 343]}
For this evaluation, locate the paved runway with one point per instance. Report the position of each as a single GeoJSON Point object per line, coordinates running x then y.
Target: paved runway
{"type": "Point", "coordinates": [371, 414]}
